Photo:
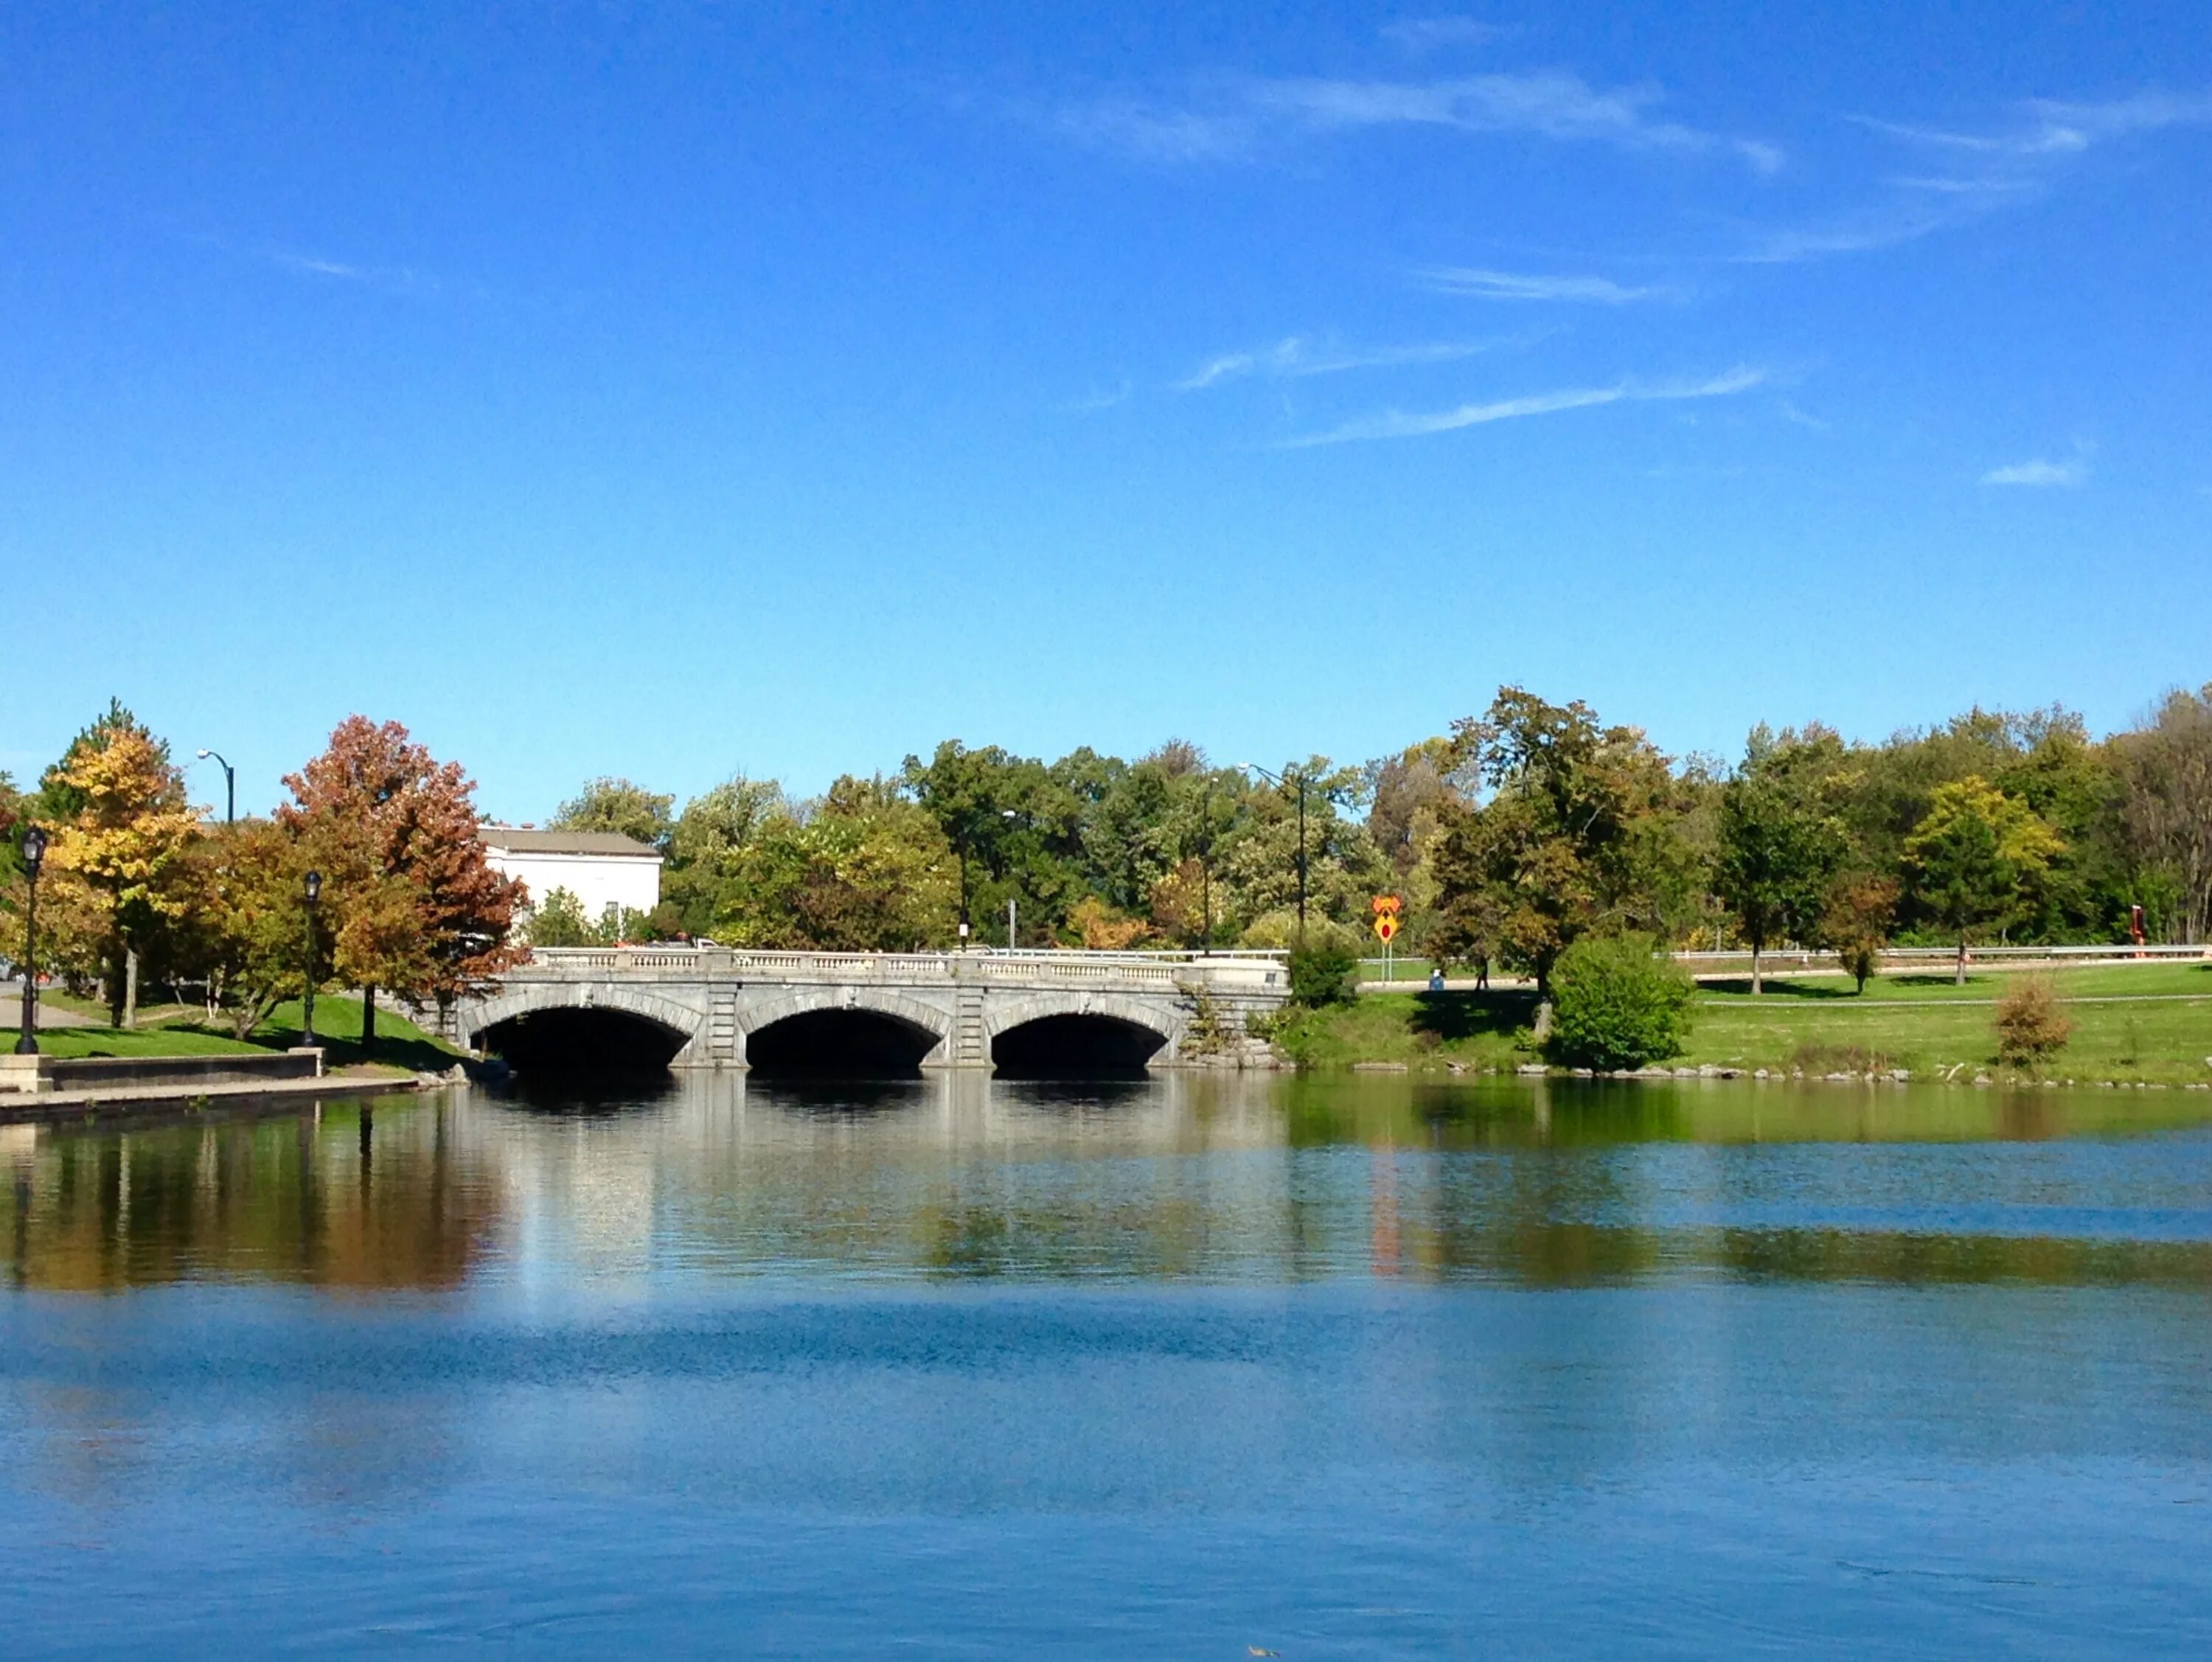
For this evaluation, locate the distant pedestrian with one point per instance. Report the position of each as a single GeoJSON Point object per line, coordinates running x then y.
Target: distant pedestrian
{"type": "Point", "coordinates": [1482, 973]}
{"type": "Point", "coordinates": [1436, 978]}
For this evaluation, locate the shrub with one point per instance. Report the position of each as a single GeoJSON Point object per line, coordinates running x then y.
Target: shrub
{"type": "Point", "coordinates": [1325, 973]}
{"type": "Point", "coordinates": [2031, 1022]}
{"type": "Point", "coordinates": [1860, 958]}
{"type": "Point", "coordinates": [1615, 1004]}
{"type": "Point", "coordinates": [1810, 1058]}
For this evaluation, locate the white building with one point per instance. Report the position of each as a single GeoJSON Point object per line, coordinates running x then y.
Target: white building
{"type": "Point", "coordinates": [602, 869]}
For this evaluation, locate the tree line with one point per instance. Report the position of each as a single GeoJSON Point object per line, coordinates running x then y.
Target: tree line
{"type": "Point", "coordinates": [1507, 838]}
{"type": "Point", "coordinates": [137, 888]}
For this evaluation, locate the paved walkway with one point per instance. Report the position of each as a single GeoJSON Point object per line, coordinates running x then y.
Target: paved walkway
{"type": "Point", "coordinates": [50, 1015]}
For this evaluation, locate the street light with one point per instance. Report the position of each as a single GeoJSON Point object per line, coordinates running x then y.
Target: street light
{"type": "Point", "coordinates": [307, 1002]}
{"type": "Point", "coordinates": [1297, 778]}
{"type": "Point", "coordinates": [34, 852]}
{"type": "Point", "coordinates": [229, 786]}
{"type": "Point", "coordinates": [1205, 869]}
{"type": "Point", "coordinates": [1008, 813]}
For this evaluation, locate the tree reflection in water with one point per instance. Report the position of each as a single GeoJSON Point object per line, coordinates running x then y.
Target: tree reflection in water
{"type": "Point", "coordinates": [1199, 1178]}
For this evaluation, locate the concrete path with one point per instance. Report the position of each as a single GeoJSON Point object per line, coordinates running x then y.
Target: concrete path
{"type": "Point", "coordinates": [50, 1015]}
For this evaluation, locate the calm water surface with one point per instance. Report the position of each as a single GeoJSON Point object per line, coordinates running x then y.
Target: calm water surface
{"type": "Point", "coordinates": [1327, 1368]}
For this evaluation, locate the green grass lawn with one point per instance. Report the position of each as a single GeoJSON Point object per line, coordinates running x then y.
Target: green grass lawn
{"type": "Point", "coordinates": [181, 1032]}
{"type": "Point", "coordinates": [2153, 1023]}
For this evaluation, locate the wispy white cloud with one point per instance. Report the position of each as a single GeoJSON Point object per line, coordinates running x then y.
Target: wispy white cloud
{"type": "Point", "coordinates": [1298, 356]}
{"type": "Point", "coordinates": [1475, 282]}
{"type": "Point", "coordinates": [1552, 104]}
{"type": "Point", "coordinates": [1427, 34]}
{"type": "Point", "coordinates": [1966, 174]}
{"type": "Point", "coordinates": [1883, 227]}
{"type": "Point", "coordinates": [1105, 398]}
{"type": "Point", "coordinates": [2048, 128]}
{"type": "Point", "coordinates": [1766, 159]}
{"type": "Point", "coordinates": [1233, 118]}
{"type": "Point", "coordinates": [1400, 424]}
{"type": "Point", "coordinates": [2041, 474]}
{"type": "Point", "coordinates": [1156, 134]}
{"type": "Point", "coordinates": [391, 279]}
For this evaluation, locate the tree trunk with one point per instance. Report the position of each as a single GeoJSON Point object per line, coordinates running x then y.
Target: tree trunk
{"type": "Point", "coordinates": [1959, 979]}
{"type": "Point", "coordinates": [1756, 988]}
{"type": "Point", "coordinates": [367, 1022]}
{"type": "Point", "coordinates": [113, 989]}
{"type": "Point", "coordinates": [130, 986]}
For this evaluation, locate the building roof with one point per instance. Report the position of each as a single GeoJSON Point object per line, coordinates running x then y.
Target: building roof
{"type": "Point", "coordinates": [510, 839]}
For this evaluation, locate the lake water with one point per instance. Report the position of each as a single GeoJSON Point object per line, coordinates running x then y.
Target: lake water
{"type": "Point", "coordinates": [1191, 1368]}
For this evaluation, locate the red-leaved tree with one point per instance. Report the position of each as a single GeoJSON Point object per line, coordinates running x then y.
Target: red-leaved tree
{"type": "Point", "coordinates": [411, 905]}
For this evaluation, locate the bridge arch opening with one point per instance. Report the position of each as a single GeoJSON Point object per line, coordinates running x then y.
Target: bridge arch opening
{"type": "Point", "coordinates": [840, 1044]}
{"type": "Point", "coordinates": [1075, 1047]}
{"type": "Point", "coordinates": [581, 1040]}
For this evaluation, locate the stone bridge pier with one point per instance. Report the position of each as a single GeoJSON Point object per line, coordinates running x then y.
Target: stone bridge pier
{"type": "Point", "coordinates": [1019, 1012]}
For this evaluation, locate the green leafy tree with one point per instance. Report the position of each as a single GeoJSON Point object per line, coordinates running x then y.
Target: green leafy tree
{"type": "Point", "coordinates": [2165, 778]}
{"type": "Point", "coordinates": [707, 845]}
{"type": "Point", "coordinates": [1573, 839]}
{"type": "Point", "coordinates": [1975, 857]}
{"type": "Point", "coordinates": [1777, 859]}
{"type": "Point", "coordinates": [251, 915]}
{"type": "Point", "coordinates": [862, 870]}
{"type": "Point", "coordinates": [558, 920]}
{"type": "Point", "coordinates": [622, 808]}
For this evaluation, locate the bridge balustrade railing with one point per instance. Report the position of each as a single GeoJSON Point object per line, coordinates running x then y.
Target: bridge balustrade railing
{"type": "Point", "coordinates": [1028, 968]}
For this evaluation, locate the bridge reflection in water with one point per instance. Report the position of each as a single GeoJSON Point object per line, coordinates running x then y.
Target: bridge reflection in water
{"type": "Point", "coordinates": [1183, 1176]}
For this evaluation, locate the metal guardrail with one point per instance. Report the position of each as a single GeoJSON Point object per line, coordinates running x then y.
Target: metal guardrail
{"type": "Point", "coordinates": [1806, 958]}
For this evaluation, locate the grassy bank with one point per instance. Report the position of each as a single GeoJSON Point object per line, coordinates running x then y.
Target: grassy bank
{"type": "Point", "coordinates": [2152, 1024]}
{"type": "Point", "coordinates": [182, 1031]}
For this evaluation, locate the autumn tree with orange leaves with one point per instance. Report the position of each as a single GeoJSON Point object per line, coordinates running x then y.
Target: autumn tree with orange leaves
{"type": "Point", "coordinates": [409, 904]}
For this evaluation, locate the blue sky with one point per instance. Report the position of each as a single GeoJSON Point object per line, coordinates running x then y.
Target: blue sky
{"type": "Point", "coordinates": [667, 389]}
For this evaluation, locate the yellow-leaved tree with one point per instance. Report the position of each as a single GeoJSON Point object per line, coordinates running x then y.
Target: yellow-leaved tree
{"type": "Point", "coordinates": [116, 857]}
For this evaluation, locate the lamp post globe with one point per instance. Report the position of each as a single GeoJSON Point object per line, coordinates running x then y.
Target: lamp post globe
{"type": "Point", "coordinates": [314, 891]}
{"type": "Point", "coordinates": [34, 855]}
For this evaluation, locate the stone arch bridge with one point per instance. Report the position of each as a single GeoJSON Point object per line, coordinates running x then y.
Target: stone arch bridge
{"type": "Point", "coordinates": [710, 1006]}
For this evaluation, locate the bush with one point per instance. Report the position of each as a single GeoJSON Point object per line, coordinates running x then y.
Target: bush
{"type": "Point", "coordinates": [1615, 1004]}
{"type": "Point", "coordinates": [2031, 1022]}
{"type": "Point", "coordinates": [1326, 973]}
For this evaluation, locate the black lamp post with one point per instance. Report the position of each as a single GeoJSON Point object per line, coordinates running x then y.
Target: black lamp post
{"type": "Point", "coordinates": [1298, 778]}
{"type": "Point", "coordinates": [34, 853]}
{"type": "Point", "coordinates": [229, 786]}
{"type": "Point", "coordinates": [308, 1003]}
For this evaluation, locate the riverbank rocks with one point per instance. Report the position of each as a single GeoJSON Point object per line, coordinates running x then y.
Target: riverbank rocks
{"type": "Point", "coordinates": [1535, 1067]}
{"type": "Point", "coordinates": [1378, 1067]}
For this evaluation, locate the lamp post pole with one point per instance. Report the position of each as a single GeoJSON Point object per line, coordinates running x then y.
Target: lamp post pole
{"type": "Point", "coordinates": [307, 1001]}
{"type": "Point", "coordinates": [229, 786]}
{"type": "Point", "coordinates": [1206, 869]}
{"type": "Point", "coordinates": [1009, 815]}
{"type": "Point", "coordinates": [1298, 778]}
{"type": "Point", "coordinates": [34, 853]}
